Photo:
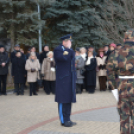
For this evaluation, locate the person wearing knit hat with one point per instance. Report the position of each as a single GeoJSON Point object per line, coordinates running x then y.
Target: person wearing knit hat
{"type": "Point", "coordinates": [101, 58]}
{"type": "Point", "coordinates": [112, 46]}
{"type": "Point", "coordinates": [32, 66]}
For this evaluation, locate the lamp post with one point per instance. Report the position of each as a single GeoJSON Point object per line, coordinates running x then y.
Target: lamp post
{"type": "Point", "coordinates": [39, 32]}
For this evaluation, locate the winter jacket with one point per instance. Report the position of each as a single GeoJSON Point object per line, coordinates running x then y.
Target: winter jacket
{"type": "Point", "coordinates": [49, 75]}
{"type": "Point", "coordinates": [101, 64]}
{"type": "Point", "coordinates": [4, 59]}
{"type": "Point", "coordinates": [18, 69]}
{"type": "Point", "coordinates": [32, 75]}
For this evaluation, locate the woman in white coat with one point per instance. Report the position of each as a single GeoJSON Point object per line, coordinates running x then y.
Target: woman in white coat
{"type": "Point", "coordinates": [101, 64]}
{"type": "Point", "coordinates": [32, 66]}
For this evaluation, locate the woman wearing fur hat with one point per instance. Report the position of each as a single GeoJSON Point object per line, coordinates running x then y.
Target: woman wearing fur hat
{"type": "Point", "coordinates": [32, 66]}
{"type": "Point", "coordinates": [101, 63]}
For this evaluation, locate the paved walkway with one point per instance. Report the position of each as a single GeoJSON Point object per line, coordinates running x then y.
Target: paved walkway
{"type": "Point", "coordinates": [94, 114]}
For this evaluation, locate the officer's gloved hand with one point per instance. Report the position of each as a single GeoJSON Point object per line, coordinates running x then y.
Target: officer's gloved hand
{"type": "Point", "coordinates": [33, 70]}
{"type": "Point", "coordinates": [65, 53]}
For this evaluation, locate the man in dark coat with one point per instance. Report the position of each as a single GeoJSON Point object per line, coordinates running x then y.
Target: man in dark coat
{"type": "Point", "coordinates": [44, 53]}
{"type": "Point", "coordinates": [4, 60]}
{"type": "Point", "coordinates": [16, 49]}
{"type": "Point", "coordinates": [65, 80]}
{"type": "Point", "coordinates": [19, 73]}
{"type": "Point", "coordinates": [13, 55]}
{"type": "Point", "coordinates": [33, 49]}
{"type": "Point", "coordinates": [106, 50]}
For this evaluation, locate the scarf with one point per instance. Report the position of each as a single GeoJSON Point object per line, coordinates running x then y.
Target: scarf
{"type": "Point", "coordinates": [89, 60]}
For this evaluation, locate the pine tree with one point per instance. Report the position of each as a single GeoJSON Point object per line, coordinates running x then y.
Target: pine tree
{"type": "Point", "coordinates": [66, 16]}
{"type": "Point", "coordinates": [20, 20]}
{"type": "Point", "coordinates": [92, 22]}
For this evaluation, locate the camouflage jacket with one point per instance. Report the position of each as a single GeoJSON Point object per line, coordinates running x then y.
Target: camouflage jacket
{"type": "Point", "coordinates": [122, 62]}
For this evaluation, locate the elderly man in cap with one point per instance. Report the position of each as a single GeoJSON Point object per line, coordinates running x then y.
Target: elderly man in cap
{"type": "Point", "coordinates": [13, 54]}
{"type": "Point", "coordinates": [4, 60]}
{"type": "Point", "coordinates": [65, 79]}
{"type": "Point", "coordinates": [123, 61]}
{"type": "Point", "coordinates": [16, 49]}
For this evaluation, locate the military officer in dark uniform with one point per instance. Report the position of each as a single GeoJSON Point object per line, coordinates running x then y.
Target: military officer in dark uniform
{"type": "Point", "coordinates": [65, 79]}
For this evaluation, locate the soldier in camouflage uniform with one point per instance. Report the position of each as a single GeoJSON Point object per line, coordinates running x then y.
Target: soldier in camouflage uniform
{"type": "Point", "coordinates": [122, 61]}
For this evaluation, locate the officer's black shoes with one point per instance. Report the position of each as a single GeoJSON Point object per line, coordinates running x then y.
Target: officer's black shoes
{"type": "Point", "coordinates": [74, 123]}
{"type": "Point", "coordinates": [4, 93]}
{"type": "Point", "coordinates": [78, 92]}
{"type": "Point", "coordinates": [62, 124]}
{"type": "Point", "coordinates": [47, 93]}
{"type": "Point", "coordinates": [35, 94]}
{"type": "Point", "coordinates": [69, 124]}
{"type": "Point", "coordinates": [91, 92]}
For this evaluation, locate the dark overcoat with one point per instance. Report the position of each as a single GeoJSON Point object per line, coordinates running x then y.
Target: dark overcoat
{"type": "Point", "coordinates": [4, 59]}
{"type": "Point", "coordinates": [13, 55]}
{"type": "Point", "coordinates": [91, 73]}
{"type": "Point", "coordinates": [65, 75]}
{"type": "Point", "coordinates": [43, 55]}
{"type": "Point", "coordinates": [18, 69]}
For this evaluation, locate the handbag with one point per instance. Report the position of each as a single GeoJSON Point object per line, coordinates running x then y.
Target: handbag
{"type": "Point", "coordinates": [82, 71]}
{"type": "Point", "coordinates": [39, 80]}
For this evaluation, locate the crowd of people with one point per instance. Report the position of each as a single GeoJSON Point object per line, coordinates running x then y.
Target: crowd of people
{"type": "Point", "coordinates": [34, 67]}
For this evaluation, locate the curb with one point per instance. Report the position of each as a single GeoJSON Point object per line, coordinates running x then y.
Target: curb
{"type": "Point", "coordinates": [35, 126]}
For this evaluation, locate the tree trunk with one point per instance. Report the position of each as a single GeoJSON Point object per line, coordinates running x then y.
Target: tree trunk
{"type": "Point", "coordinates": [12, 37]}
